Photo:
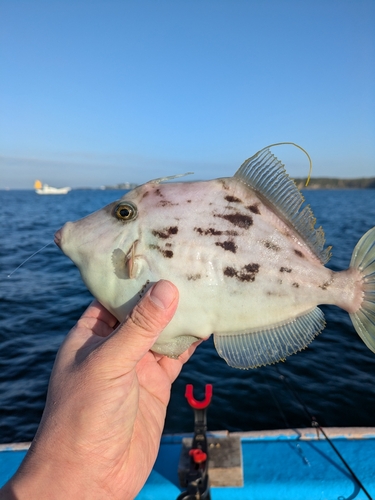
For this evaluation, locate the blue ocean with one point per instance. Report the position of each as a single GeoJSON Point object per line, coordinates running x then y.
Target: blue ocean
{"type": "Point", "coordinates": [334, 377]}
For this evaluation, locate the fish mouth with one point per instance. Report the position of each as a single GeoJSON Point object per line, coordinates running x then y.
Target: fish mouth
{"type": "Point", "coordinates": [57, 238]}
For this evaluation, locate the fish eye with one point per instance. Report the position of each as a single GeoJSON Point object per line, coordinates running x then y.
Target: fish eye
{"type": "Point", "coordinates": [126, 211]}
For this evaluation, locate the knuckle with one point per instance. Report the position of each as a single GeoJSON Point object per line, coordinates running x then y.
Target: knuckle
{"type": "Point", "coordinates": [145, 320]}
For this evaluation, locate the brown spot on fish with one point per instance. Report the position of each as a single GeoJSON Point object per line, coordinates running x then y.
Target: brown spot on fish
{"type": "Point", "coordinates": [165, 253]}
{"type": "Point", "coordinates": [159, 193]}
{"type": "Point", "coordinates": [246, 277]}
{"type": "Point", "coordinates": [230, 272]}
{"type": "Point", "coordinates": [325, 285]}
{"type": "Point", "coordinates": [194, 277]}
{"type": "Point", "coordinates": [145, 194]}
{"type": "Point", "coordinates": [237, 219]}
{"type": "Point", "coordinates": [224, 184]}
{"type": "Point", "coordinates": [271, 246]}
{"type": "Point", "coordinates": [299, 253]}
{"type": "Point", "coordinates": [166, 232]}
{"type": "Point", "coordinates": [143, 289]}
{"type": "Point", "coordinates": [202, 232]}
{"type": "Point", "coordinates": [166, 203]}
{"type": "Point", "coordinates": [214, 232]}
{"type": "Point", "coordinates": [246, 273]}
{"type": "Point", "coordinates": [252, 268]}
{"type": "Point", "coordinates": [233, 199]}
{"type": "Point", "coordinates": [168, 245]}
{"type": "Point", "coordinates": [280, 282]}
{"type": "Point", "coordinates": [189, 201]}
{"type": "Point", "coordinates": [211, 231]}
{"type": "Point", "coordinates": [227, 245]}
{"type": "Point", "coordinates": [296, 285]}
{"type": "Point", "coordinates": [254, 209]}
{"type": "Point", "coordinates": [285, 270]}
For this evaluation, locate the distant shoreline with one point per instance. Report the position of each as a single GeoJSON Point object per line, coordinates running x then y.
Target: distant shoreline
{"type": "Point", "coordinates": [333, 183]}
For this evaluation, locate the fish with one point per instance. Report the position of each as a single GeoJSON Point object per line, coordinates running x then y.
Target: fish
{"type": "Point", "coordinates": [244, 253]}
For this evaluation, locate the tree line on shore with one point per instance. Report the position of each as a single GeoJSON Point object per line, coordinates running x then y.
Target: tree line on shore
{"type": "Point", "coordinates": [334, 183]}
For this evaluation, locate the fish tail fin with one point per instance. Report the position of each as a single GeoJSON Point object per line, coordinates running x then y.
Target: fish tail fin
{"type": "Point", "coordinates": [363, 259]}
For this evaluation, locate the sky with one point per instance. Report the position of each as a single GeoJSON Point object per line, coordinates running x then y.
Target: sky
{"type": "Point", "coordinates": [102, 92]}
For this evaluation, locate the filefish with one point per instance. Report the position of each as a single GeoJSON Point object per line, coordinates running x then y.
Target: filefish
{"type": "Point", "coordinates": [245, 255]}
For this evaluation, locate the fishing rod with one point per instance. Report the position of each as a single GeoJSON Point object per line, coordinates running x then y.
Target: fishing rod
{"type": "Point", "coordinates": [318, 427]}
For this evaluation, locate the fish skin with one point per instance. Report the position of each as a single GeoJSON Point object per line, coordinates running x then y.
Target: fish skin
{"type": "Point", "coordinates": [238, 265]}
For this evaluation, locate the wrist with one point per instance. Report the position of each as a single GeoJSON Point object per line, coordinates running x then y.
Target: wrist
{"type": "Point", "coordinates": [43, 475]}
{"type": "Point", "coordinates": [37, 479]}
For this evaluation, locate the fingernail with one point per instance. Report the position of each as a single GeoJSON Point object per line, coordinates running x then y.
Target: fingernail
{"type": "Point", "coordinates": [163, 294]}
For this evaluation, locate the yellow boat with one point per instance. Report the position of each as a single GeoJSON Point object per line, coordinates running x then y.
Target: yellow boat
{"type": "Point", "coordinates": [46, 189]}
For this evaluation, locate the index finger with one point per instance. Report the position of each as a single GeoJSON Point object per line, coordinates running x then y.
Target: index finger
{"type": "Point", "coordinates": [97, 311]}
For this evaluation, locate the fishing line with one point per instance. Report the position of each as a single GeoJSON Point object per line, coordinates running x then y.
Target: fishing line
{"type": "Point", "coordinates": [287, 425]}
{"type": "Point", "coordinates": [277, 404]}
{"type": "Point", "coordinates": [297, 146]}
{"type": "Point", "coordinates": [318, 427]}
{"type": "Point", "coordinates": [28, 258]}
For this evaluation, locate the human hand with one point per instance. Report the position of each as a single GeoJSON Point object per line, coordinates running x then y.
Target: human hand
{"type": "Point", "coordinates": [106, 405]}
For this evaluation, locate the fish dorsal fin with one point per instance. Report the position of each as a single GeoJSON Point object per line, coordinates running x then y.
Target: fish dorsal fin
{"type": "Point", "coordinates": [169, 178]}
{"type": "Point", "coordinates": [271, 344]}
{"type": "Point", "coordinates": [266, 175]}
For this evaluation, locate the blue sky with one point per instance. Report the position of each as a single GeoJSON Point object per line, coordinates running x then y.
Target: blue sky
{"type": "Point", "coordinates": [101, 92]}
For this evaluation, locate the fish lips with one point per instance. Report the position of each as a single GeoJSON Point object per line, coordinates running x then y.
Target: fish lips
{"type": "Point", "coordinates": [62, 238]}
{"type": "Point", "coordinates": [57, 238]}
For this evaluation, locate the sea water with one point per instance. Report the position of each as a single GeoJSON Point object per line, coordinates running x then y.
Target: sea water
{"type": "Point", "coordinates": [334, 376]}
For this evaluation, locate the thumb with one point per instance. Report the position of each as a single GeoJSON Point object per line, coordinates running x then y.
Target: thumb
{"type": "Point", "coordinates": [135, 337]}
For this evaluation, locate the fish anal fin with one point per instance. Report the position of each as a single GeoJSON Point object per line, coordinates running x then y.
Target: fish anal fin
{"type": "Point", "coordinates": [271, 344]}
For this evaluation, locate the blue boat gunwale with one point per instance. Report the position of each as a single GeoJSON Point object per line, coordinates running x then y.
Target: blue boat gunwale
{"type": "Point", "coordinates": [303, 434]}
{"type": "Point", "coordinates": [284, 464]}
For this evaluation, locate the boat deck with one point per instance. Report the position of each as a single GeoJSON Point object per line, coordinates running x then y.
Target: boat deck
{"type": "Point", "coordinates": [287, 464]}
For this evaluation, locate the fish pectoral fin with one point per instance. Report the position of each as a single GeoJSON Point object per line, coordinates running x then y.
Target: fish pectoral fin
{"type": "Point", "coordinates": [271, 344]}
{"type": "Point", "coordinates": [132, 264]}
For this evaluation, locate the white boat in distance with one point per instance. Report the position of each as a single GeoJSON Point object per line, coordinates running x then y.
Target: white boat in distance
{"type": "Point", "coordinates": [46, 189]}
